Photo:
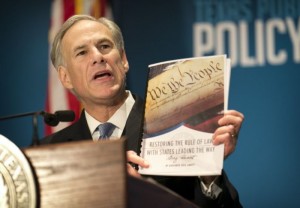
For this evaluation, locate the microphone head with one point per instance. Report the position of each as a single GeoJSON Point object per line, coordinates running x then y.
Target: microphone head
{"type": "Point", "coordinates": [50, 119]}
{"type": "Point", "coordinates": [62, 115]}
{"type": "Point", "coordinates": [65, 115]}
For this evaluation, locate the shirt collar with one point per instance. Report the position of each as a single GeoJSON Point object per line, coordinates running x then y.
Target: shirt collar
{"type": "Point", "coordinates": [119, 118]}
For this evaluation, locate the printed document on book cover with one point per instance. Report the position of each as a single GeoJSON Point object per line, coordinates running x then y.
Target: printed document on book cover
{"type": "Point", "coordinates": [185, 99]}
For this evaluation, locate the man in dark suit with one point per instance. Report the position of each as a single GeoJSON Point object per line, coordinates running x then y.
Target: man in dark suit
{"type": "Point", "coordinates": [91, 62]}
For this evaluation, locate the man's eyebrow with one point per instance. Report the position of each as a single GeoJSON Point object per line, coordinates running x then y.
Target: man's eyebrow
{"type": "Point", "coordinates": [105, 39]}
{"type": "Point", "coordinates": [102, 40]}
{"type": "Point", "coordinates": [77, 48]}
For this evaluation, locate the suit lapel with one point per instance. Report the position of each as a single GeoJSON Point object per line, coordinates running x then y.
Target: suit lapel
{"type": "Point", "coordinates": [134, 126]}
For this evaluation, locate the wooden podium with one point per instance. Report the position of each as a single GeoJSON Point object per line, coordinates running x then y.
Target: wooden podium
{"type": "Point", "coordinates": [80, 174]}
{"type": "Point", "coordinates": [83, 174]}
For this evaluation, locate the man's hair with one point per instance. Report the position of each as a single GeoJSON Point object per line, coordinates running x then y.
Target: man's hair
{"type": "Point", "coordinates": [56, 54]}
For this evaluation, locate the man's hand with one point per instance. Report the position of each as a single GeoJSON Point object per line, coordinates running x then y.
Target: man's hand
{"type": "Point", "coordinates": [228, 131]}
{"type": "Point", "coordinates": [133, 158]}
{"type": "Point", "coordinates": [227, 134]}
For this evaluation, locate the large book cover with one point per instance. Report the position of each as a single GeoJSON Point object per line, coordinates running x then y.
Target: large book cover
{"type": "Point", "coordinates": [185, 99]}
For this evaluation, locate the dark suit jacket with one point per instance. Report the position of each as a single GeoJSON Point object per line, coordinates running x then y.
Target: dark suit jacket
{"type": "Point", "coordinates": [188, 187]}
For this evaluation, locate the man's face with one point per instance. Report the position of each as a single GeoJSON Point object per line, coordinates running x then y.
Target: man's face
{"type": "Point", "coordinates": [93, 67]}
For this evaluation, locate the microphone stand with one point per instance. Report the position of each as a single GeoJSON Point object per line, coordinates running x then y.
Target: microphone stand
{"type": "Point", "coordinates": [35, 135]}
{"type": "Point", "coordinates": [21, 115]}
{"type": "Point", "coordinates": [49, 119]}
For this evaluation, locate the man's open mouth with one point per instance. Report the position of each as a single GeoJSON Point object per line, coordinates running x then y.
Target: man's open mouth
{"type": "Point", "coordinates": [102, 74]}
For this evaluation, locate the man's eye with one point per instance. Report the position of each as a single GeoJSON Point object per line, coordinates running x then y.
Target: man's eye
{"type": "Point", "coordinates": [105, 47]}
{"type": "Point", "coordinates": [80, 53]}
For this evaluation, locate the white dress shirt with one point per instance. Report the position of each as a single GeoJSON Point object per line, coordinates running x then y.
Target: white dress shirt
{"type": "Point", "coordinates": [118, 119]}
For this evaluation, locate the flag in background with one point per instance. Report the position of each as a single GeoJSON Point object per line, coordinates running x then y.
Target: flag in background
{"type": "Point", "coordinates": [59, 98]}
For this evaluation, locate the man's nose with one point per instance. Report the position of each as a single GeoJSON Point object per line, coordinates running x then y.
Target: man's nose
{"type": "Point", "coordinates": [97, 56]}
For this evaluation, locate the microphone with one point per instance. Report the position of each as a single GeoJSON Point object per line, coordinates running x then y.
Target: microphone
{"type": "Point", "coordinates": [58, 116]}
{"type": "Point", "coordinates": [49, 118]}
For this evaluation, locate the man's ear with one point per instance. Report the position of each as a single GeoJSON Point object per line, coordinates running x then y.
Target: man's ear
{"type": "Point", "coordinates": [125, 61]}
{"type": "Point", "coordinates": [64, 77]}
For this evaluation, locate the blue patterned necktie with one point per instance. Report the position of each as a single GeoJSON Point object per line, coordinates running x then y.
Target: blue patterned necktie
{"type": "Point", "coordinates": [106, 130]}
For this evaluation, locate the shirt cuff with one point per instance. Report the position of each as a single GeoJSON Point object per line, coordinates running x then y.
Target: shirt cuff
{"type": "Point", "coordinates": [212, 191]}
